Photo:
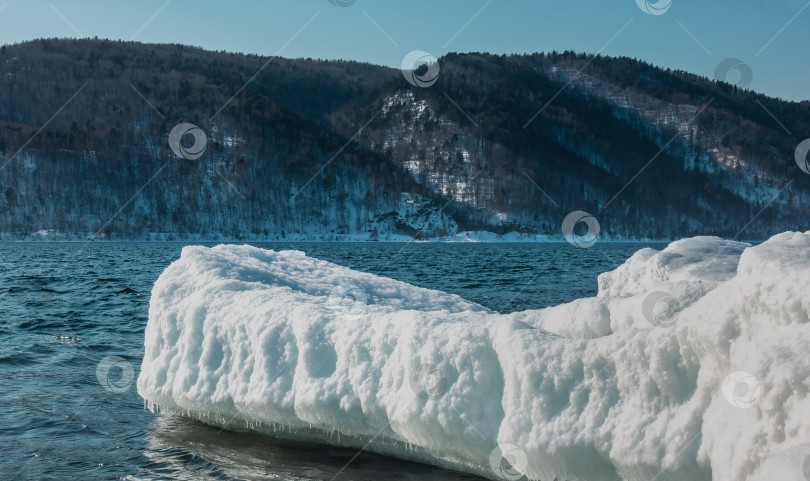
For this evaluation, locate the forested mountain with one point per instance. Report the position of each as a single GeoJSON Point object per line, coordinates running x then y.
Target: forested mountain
{"type": "Point", "coordinates": [334, 149]}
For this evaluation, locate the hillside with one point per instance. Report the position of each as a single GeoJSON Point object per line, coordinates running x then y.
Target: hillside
{"type": "Point", "coordinates": [332, 149]}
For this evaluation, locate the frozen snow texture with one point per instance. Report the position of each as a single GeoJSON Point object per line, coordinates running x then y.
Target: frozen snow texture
{"type": "Point", "coordinates": [710, 384]}
{"type": "Point", "coordinates": [683, 273]}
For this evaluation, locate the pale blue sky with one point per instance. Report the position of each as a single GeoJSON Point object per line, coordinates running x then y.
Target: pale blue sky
{"type": "Point", "coordinates": [771, 36]}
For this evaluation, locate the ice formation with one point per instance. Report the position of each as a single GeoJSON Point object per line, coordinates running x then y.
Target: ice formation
{"type": "Point", "coordinates": [690, 363]}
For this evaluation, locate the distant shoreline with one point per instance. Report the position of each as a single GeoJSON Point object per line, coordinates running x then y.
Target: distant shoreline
{"type": "Point", "coordinates": [473, 238]}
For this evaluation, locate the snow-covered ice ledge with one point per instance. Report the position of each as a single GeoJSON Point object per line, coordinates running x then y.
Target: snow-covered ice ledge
{"type": "Point", "coordinates": [690, 363]}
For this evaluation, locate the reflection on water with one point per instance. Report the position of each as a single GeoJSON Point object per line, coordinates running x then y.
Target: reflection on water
{"type": "Point", "coordinates": [189, 450]}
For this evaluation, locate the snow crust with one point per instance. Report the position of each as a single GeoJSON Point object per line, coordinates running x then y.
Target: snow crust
{"type": "Point", "coordinates": [690, 363]}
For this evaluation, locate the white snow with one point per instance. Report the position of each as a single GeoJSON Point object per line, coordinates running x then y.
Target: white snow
{"type": "Point", "coordinates": [677, 276]}
{"type": "Point", "coordinates": [709, 382]}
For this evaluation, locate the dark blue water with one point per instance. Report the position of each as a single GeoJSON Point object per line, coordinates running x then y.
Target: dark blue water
{"type": "Point", "coordinates": [65, 309]}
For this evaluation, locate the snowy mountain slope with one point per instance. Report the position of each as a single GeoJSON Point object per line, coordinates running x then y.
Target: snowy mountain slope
{"type": "Point", "coordinates": [712, 385]}
{"type": "Point", "coordinates": [340, 150]}
{"type": "Point", "coordinates": [524, 140]}
{"type": "Point", "coordinates": [707, 152]}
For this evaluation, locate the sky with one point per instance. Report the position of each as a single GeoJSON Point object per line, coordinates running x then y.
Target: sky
{"type": "Point", "coordinates": [770, 36]}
